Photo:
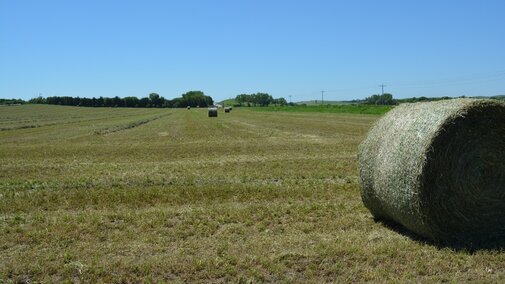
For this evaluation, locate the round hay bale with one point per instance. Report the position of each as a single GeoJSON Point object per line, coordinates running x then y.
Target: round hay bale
{"type": "Point", "coordinates": [212, 112]}
{"type": "Point", "coordinates": [227, 109]}
{"type": "Point", "coordinates": [188, 107]}
{"type": "Point", "coordinates": [438, 169]}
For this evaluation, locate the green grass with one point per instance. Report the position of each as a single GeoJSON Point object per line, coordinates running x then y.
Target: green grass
{"type": "Point", "coordinates": [340, 108]}
{"type": "Point", "coordinates": [248, 196]}
{"type": "Point", "coordinates": [229, 102]}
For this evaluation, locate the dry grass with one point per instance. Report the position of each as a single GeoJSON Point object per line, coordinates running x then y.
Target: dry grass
{"type": "Point", "coordinates": [250, 196]}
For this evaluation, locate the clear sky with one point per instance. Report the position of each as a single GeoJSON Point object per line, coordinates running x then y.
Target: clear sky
{"type": "Point", "coordinates": [228, 47]}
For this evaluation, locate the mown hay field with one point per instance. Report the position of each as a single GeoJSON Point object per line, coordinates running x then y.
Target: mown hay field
{"type": "Point", "coordinates": [155, 195]}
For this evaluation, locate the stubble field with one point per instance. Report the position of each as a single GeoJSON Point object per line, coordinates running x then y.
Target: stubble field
{"type": "Point", "coordinates": [155, 195]}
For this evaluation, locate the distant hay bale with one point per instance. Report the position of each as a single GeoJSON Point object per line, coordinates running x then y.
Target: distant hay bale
{"type": "Point", "coordinates": [227, 109]}
{"type": "Point", "coordinates": [188, 107]}
{"type": "Point", "coordinates": [438, 169]}
{"type": "Point", "coordinates": [212, 112]}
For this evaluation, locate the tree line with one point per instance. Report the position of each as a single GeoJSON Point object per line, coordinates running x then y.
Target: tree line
{"type": "Point", "coordinates": [11, 102]}
{"type": "Point", "coordinates": [154, 100]}
{"type": "Point", "coordinates": [261, 99]}
{"type": "Point", "coordinates": [384, 99]}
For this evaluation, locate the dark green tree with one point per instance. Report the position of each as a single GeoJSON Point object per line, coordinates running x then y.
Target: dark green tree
{"type": "Point", "coordinates": [155, 100]}
{"type": "Point", "coordinates": [195, 98]}
{"type": "Point", "coordinates": [131, 101]}
{"type": "Point", "coordinates": [385, 99]}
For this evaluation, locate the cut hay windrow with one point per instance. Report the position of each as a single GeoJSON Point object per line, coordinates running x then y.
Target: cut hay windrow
{"type": "Point", "coordinates": [133, 124]}
{"type": "Point", "coordinates": [438, 169]}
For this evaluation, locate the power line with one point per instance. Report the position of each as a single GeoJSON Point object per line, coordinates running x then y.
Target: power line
{"type": "Point", "coordinates": [382, 87]}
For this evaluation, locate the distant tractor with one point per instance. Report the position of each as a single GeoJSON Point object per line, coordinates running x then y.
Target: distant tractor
{"type": "Point", "coordinates": [212, 112]}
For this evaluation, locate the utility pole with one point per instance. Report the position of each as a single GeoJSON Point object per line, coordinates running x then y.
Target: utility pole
{"type": "Point", "coordinates": [382, 86]}
{"type": "Point", "coordinates": [290, 99]}
{"type": "Point", "coordinates": [322, 97]}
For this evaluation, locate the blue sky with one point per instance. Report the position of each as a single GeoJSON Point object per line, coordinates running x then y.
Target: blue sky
{"type": "Point", "coordinates": [225, 48]}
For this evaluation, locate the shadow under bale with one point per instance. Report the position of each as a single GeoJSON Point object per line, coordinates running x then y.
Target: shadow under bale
{"type": "Point", "coordinates": [438, 169]}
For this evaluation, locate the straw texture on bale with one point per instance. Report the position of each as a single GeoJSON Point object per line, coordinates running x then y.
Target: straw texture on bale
{"type": "Point", "coordinates": [212, 112]}
{"type": "Point", "coordinates": [438, 169]}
